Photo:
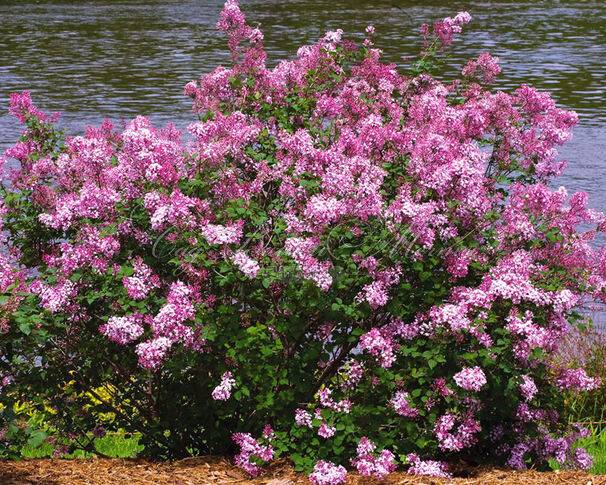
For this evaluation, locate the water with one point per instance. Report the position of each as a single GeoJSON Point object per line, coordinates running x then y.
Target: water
{"type": "Point", "coordinates": [108, 59]}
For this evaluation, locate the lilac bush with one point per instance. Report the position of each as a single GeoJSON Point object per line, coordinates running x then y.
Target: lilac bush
{"type": "Point", "coordinates": [346, 265]}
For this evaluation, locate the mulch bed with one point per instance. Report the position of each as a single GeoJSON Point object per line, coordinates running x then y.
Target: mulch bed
{"type": "Point", "coordinates": [217, 470]}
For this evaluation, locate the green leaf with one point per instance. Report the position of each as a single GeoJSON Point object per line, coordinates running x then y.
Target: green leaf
{"type": "Point", "coordinates": [36, 438]}
{"type": "Point", "coordinates": [25, 328]}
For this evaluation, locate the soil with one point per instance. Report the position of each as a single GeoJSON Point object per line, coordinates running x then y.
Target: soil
{"type": "Point", "coordinates": [219, 470]}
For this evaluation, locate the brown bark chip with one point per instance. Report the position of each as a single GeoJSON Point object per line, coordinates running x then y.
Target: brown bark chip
{"type": "Point", "coordinates": [220, 470]}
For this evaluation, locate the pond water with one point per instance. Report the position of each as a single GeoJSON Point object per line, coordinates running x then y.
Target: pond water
{"type": "Point", "coordinates": [108, 59]}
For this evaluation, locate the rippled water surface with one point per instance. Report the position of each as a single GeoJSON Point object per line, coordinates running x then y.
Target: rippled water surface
{"type": "Point", "coordinates": [98, 59]}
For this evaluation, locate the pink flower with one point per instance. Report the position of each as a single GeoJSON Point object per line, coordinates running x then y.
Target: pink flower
{"type": "Point", "coordinates": [300, 250]}
{"type": "Point", "coordinates": [428, 467]}
{"type": "Point", "coordinates": [231, 17]}
{"type": "Point", "coordinates": [55, 298]}
{"type": "Point", "coordinates": [455, 440]}
{"type": "Point", "coordinates": [190, 89]}
{"type": "Point", "coordinates": [368, 464]}
{"type": "Point", "coordinates": [142, 282]}
{"type": "Point", "coordinates": [402, 405]}
{"type": "Point", "coordinates": [470, 378]}
{"type": "Point", "coordinates": [375, 294]}
{"type": "Point", "coordinates": [583, 459]}
{"type": "Point", "coordinates": [343, 405]}
{"type": "Point", "coordinates": [577, 380]}
{"type": "Point", "coordinates": [247, 265]}
{"type": "Point", "coordinates": [153, 352]}
{"type": "Point", "coordinates": [123, 330]}
{"type": "Point", "coordinates": [170, 320]}
{"type": "Point", "coordinates": [527, 387]}
{"type": "Point", "coordinates": [327, 473]}
{"type": "Point", "coordinates": [324, 210]}
{"type": "Point", "coordinates": [223, 391]}
{"type": "Point", "coordinates": [326, 431]}
{"type": "Point", "coordinates": [21, 107]}
{"type": "Point", "coordinates": [485, 68]}
{"type": "Point", "coordinates": [383, 348]}
{"type": "Point", "coordinates": [446, 29]}
{"type": "Point", "coordinates": [353, 373]}
{"type": "Point", "coordinates": [218, 234]}
{"type": "Point", "coordinates": [249, 448]}
{"type": "Point", "coordinates": [303, 418]}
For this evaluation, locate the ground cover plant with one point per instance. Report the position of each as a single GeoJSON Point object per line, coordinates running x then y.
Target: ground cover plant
{"type": "Point", "coordinates": [349, 265]}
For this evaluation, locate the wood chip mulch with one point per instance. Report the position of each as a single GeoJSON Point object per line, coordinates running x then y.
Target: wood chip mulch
{"type": "Point", "coordinates": [218, 470]}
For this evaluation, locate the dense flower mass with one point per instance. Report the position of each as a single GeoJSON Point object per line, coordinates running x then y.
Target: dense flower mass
{"type": "Point", "coordinates": [374, 254]}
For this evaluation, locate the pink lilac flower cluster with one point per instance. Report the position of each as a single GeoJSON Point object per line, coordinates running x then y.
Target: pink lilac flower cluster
{"type": "Point", "coordinates": [249, 448]}
{"type": "Point", "coordinates": [429, 468]}
{"type": "Point", "coordinates": [142, 282]}
{"type": "Point", "coordinates": [368, 464]}
{"type": "Point", "coordinates": [89, 202]}
{"type": "Point", "coordinates": [218, 234]}
{"type": "Point", "coordinates": [303, 418]}
{"type": "Point", "coordinates": [528, 388]}
{"type": "Point", "coordinates": [169, 322]}
{"type": "Point", "coordinates": [153, 352]}
{"type": "Point", "coordinates": [446, 29]}
{"type": "Point", "coordinates": [583, 459]}
{"type": "Point", "coordinates": [247, 265]}
{"type": "Point", "coordinates": [174, 211]}
{"type": "Point", "coordinates": [55, 298]}
{"type": "Point", "coordinates": [21, 107]}
{"type": "Point", "coordinates": [123, 330]}
{"type": "Point", "coordinates": [486, 68]}
{"type": "Point", "coordinates": [379, 346]}
{"type": "Point", "coordinates": [325, 430]}
{"type": "Point", "coordinates": [327, 473]}
{"type": "Point", "coordinates": [402, 405]}
{"type": "Point", "coordinates": [92, 250]}
{"type": "Point", "coordinates": [342, 406]}
{"type": "Point", "coordinates": [470, 378]}
{"type": "Point", "coordinates": [301, 251]}
{"type": "Point", "coordinates": [463, 437]}
{"type": "Point", "coordinates": [223, 391]}
{"type": "Point", "coordinates": [7, 273]}
{"type": "Point", "coordinates": [375, 294]}
{"type": "Point", "coordinates": [353, 372]}
{"type": "Point", "coordinates": [577, 380]}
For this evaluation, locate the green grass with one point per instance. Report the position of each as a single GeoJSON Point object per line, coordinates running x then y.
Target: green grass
{"type": "Point", "coordinates": [115, 445]}
{"type": "Point", "coordinates": [588, 408]}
